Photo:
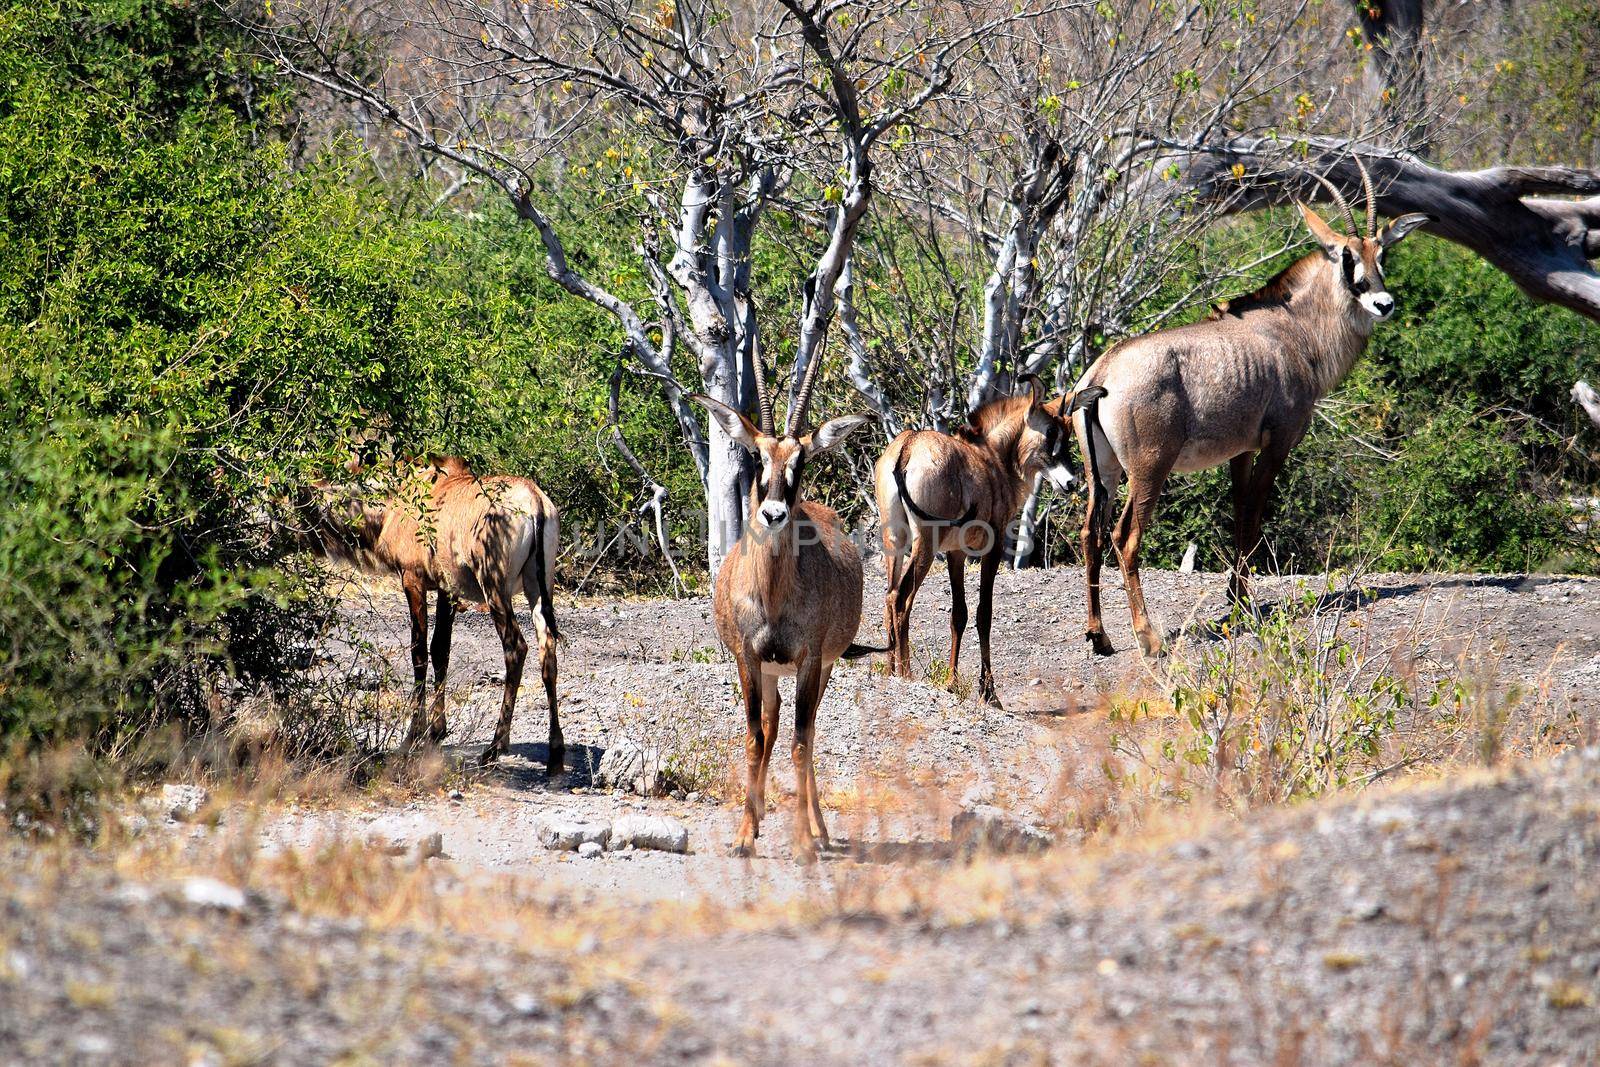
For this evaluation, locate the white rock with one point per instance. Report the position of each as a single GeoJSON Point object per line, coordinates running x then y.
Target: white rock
{"type": "Point", "coordinates": [205, 892]}
{"type": "Point", "coordinates": [590, 849]}
{"type": "Point", "coordinates": [632, 768]}
{"type": "Point", "coordinates": [984, 826]}
{"type": "Point", "coordinates": [182, 803]}
{"type": "Point", "coordinates": [567, 835]}
{"type": "Point", "coordinates": [660, 832]}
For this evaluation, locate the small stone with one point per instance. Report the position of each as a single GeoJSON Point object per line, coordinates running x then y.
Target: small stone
{"type": "Point", "coordinates": [660, 832]}
{"type": "Point", "coordinates": [202, 892]}
{"type": "Point", "coordinates": [631, 768]}
{"type": "Point", "coordinates": [456, 794]}
{"type": "Point", "coordinates": [526, 1004]}
{"type": "Point", "coordinates": [567, 835]}
{"type": "Point", "coordinates": [181, 803]}
{"type": "Point", "coordinates": [430, 846]}
{"type": "Point", "coordinates": [590, 850]}
{"type": "Point", "coordinates": [995, 830]}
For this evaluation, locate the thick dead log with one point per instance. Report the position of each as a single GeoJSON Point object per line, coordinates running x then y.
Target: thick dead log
{"type": "Point", "coordinates": [1503, 213]}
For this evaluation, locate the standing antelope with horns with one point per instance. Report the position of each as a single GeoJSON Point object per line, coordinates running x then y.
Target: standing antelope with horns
{"type": "Point", "coordinates": [1238, 388]}
{"type": "Point", "coordinates": [468, 538]}
{"type": "Point", "coordinates": [787, 601]}
{"type": "Point", "coordinates": [956, 494]}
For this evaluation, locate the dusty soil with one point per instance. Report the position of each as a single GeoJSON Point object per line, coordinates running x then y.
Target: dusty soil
{"type": "Point", "coordinates": [651, 670]}
{"type": "Point", "coordinates": [1450, 920]}
{"type": "Point", "coordinates": [1450, 923]}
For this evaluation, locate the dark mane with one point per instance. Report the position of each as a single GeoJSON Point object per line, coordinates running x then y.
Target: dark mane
{"type": "Point", "coordinates": [1275, 293]}
{"type": "Point", "coordinates": [987, 417]}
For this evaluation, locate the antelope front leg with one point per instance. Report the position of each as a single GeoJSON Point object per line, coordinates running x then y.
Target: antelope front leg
{"type": "Point", "coordinates": [956, 563]}
{"type": "Point", "coordinates": [1240, 468]}
{"type": "Point", "coordinates": [417, 605]}
{"type": "Point", "coordinates": [444, 618]}
{"type": "Point", "coordinates": [755, 801]}
{"type": "Point", "coordinates": [986, 572]}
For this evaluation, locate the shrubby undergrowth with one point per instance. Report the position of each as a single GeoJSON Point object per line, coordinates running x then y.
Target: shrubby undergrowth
{"type": "Point", "coordinates": [196, 314]}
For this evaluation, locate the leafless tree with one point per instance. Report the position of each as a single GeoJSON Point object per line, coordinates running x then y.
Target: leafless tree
{"type": "Point", "coordinates": [1107, 141]}
{"type": "Point", "coordinates": [711, 115]}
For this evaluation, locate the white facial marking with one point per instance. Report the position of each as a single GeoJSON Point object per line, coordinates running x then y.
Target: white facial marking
{"type": "Point", "coordinates": [1379, 305]}
{"type": "Point", "coordinates": [1059, 476]}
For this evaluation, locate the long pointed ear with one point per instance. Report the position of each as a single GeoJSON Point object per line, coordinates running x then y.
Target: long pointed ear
{"type": "Point", "coordinates": [1330, 241]}
{"type": "Point", "coordinates": [1396, 231]}
{"type": "Point", "coordinates": [833, 432]}
{"type": "Point", "coordinates": [733, 424]}
{"type": "Point", "coordinates": [1035, 388]}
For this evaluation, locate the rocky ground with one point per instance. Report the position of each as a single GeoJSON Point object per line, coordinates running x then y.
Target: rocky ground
{"type": "Point", "coordinates": [650, 671]}
{"type": "Point", "coordinates": [1448, 923]}
{"type": "Point", "coordinates": [1446, 920]}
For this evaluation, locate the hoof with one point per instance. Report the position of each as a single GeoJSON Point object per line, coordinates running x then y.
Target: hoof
{"type": "Point", "coordinates": [490, 755]}
{"type": "Point", "coordinates": [743, 849]}
{"type": "Point", "coordinates": [557, 762]}
{"type": "Point", "coordinates": [1100, 642]}
{"type": "Point", "coordinates": [805, 853]}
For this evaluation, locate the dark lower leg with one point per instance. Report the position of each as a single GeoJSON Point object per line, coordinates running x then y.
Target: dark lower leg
{"type": "Point", "coordinates": [956, 561]}
{"type": "Point", "coordinates": [1240, 468]}
{"type": "Point", "coordinates": [987, 569]}
{"type": "Point", "coordinates": [417, 605]}
{"type": "Point", "coordinates": [443, 623]}
{"type": "Point", "coordinates": [1093, 554]}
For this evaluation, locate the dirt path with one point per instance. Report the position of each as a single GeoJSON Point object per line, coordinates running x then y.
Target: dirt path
{"type": "Point", "coordinates": [1453, 923]}
{"type": "Point", "coordinates": [650, 670]}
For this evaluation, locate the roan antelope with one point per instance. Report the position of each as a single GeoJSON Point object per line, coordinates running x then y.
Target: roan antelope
{"type": "Point", "coordinates": [1238, 388]}
{"type": "Point", "coordinates": [475, 539]}
{"type": "Point", "coordinates": [957, 493]}
{"type": "Point", "coordinates": [787, 600]}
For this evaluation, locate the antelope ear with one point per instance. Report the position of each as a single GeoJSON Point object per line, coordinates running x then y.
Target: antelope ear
{"type": "Point", "coordinates": [733, 424]}
{"type": "Point", "coordinates": [1330, 241]}
{"type": "Point", "coordinates": [1396, 231]}
{"type": "Point", "coordinates": [1035, 387]}
{"type": "Point", "coordinates": [833, 432]}
{"type": "Point", "coordinates": [1084, 397]}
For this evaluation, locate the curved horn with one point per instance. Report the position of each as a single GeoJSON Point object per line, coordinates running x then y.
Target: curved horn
{"type": "Point", "coordinates": [763, 398]}
{"type": "Point", "coordinates": [1344, 205]}
{"type": "Point", "coordinates": [1372, 197]}
{"type": "Point", "coordinates": [795, 422]}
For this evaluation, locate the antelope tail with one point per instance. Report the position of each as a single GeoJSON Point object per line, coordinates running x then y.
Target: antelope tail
{"type": "Point", "coordinates": [1089, 401]}
{"type": "Point", "coordinates": [541, 573]}
{"type": "Point", "coordinates": [856, 651]}
{"type": "Point", "coordinates": [928, 518]}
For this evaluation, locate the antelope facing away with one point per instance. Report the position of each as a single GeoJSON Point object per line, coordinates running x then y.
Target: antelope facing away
{"type": "Point", "coordinates": [787, 600]}
{"type": "Point", "coordinates": [467, 538]}
{"type": "Point", "coordinates": [956, 494]}
{"type": "Point", "coordinates": [1238, 388]}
